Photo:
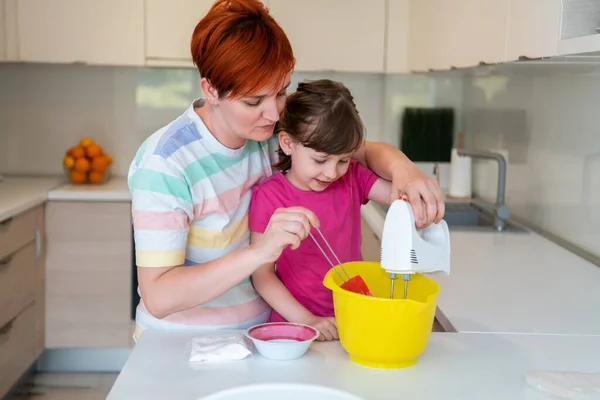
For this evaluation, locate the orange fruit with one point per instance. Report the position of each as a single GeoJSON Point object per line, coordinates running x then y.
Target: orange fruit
{"type": "Point", "coordinates": [86, 142]}
{"type": "Point", "coordinates": [95, 177]}
{"type": "Point", "coordinates": [77, 152]}
{"type": "Point", "coordinates": [99, 163]}
{"type": "Point", "coordinates": [82, 165]}
{"type": "Point", "coordinates": [108, 158]}
{"type": "Point", "coordinates": [68, 162]}
{"type": "Point", "coordinates": [77, 177]}
{"type": "Point", "coordinates": [93, 150]}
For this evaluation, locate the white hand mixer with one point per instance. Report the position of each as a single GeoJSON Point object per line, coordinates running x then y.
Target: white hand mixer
{"type": "Point", "coordinates": [405, 250]}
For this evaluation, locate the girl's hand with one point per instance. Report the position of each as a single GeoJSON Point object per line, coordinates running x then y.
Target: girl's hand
{"type": "Point", "coordinates": [287, 227]}
{"type": "Point", "coordinates": [327, 327]}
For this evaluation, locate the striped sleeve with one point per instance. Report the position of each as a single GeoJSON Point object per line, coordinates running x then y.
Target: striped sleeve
{"type": "Point", "coordinates": [162, 210]}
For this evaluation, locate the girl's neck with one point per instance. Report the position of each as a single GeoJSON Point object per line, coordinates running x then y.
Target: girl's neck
{"type": "Point", "coordinates": [289, 175]}
{"type": "Point", "coordinates": [216, 126]}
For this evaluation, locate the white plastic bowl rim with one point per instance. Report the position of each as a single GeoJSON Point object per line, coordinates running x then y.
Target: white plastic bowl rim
{"type": "Point", "coordinates": [262, 392]}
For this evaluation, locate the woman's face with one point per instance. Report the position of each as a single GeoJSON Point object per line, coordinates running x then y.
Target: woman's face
{"type": "Point", "coordinates": [251, 117]}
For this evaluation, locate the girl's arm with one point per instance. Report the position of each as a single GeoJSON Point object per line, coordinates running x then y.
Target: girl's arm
{"type": "Point", "coordinates": [274, 292]}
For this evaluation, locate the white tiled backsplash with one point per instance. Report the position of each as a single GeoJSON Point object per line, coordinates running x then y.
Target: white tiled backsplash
{"type": "Point", "coordinates": [45, 109]}
{"type": "Point", "coordinates": [547, 120]}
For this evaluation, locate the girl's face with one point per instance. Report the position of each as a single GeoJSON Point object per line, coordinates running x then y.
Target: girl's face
{"type": "Point", "coordinates": [253, 117]}
{"type": "Point", "coordinates": [312, 170]}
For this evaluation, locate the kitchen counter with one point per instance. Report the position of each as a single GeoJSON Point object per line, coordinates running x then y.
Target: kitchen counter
{"type": "Point", "coordinates": [454, 366]}
{"type": "Point", "coordinates": [513, 283]}
{"type": "Point", "coordinates": [18, 194]}
{"type": "Point", "coordinates": [21, 193]}
{"type": "Point", "coordinates": [116, 189]}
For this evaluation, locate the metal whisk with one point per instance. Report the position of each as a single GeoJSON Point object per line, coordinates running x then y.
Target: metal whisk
{"type": "Point", "coordinates": [329, 260]}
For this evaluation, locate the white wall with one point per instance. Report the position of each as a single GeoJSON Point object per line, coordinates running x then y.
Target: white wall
{"type": "Point", "coordinates": [547, 119]}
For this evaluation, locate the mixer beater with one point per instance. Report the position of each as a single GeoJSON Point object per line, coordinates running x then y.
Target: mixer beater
{"type": "Point", "coordinates": [406, 250]}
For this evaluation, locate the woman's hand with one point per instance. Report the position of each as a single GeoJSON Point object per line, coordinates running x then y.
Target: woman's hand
{"type": "Point", "coordinates": [326, 326]}
{"type": "Point", "coordinates": [287, 227]}
{"type": "Point", "coordinates": [423, 193]}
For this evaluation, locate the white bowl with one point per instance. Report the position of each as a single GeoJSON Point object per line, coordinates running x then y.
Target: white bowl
{"type": "Point", "coordinates": [282, 340]}
{"type": "Point", "coordinates": [277, 391]}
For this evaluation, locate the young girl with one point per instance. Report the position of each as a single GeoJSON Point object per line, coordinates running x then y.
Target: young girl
{"type": "Point", "coordinates": [319, 130]}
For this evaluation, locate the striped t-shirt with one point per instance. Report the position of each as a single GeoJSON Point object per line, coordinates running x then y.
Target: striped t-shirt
{"type": "Point", "coordinates": [190, 201]}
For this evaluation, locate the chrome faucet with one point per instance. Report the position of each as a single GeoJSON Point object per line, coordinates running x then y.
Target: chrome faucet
{"type": "Point", "coordinates": [501, 210]}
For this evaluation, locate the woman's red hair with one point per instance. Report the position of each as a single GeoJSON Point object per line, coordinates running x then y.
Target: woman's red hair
{"type": "Point", "coordinates": [240, 48]}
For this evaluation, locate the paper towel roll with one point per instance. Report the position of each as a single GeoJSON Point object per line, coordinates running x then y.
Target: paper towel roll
{"type": "Point", "coordinates": [460, 175]}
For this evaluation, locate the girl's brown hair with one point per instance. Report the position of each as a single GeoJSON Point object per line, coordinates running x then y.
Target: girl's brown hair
{"type": "Point", "coordinates": [321, 115]}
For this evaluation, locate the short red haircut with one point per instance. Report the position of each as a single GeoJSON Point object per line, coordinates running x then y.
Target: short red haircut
{"type": "Point", "coordinates": [240, 48]}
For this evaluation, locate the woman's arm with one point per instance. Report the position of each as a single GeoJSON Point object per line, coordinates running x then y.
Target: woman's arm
{"type": "Point", "coordinates": [167, 290]}
{"type": "Point", "coordinates": [423, 191]}
{"type": "Point", "coordinates": [380, 192]}
{"type": "Point", "coordinates": [274, 292]}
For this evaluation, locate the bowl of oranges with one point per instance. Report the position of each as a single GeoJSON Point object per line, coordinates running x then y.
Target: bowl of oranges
{"type": "Point", "coordinates": [87, 163]}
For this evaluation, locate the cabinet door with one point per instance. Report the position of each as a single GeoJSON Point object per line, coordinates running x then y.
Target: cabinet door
{"type": "Point", "coordinates": [2, 30]}
{"type": "Point", "coordinates": [421, 46]}
{"type": "Point", "coordinates": [533, 28]}
{"type": "Point", "coordinates": [169, 28]}
{"type": "Point", "coordinates": [109, 32]}
{"type": "Point", "coordinates": [88, 274]}
{"type": "Point", "coordinates": [398, 27]}
{"type": "Point", "coordinates": [338, 35]}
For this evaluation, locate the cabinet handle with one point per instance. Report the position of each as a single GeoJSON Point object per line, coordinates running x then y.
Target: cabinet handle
{"type": "Point", "coordinates": [7, 327]}
{"type": "Point", "coordinates": [6, 260]}
{"type": "Point", "coordinates": [6, 222]}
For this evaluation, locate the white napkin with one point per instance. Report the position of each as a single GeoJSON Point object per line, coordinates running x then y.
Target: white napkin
{"type": "Point", "coordinates": [225, 347]}
{"type": "Point", "coordinates": [566, 384]}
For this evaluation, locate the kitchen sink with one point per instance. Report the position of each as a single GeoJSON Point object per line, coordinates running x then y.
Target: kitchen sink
{"type": "Point", "coordinates": [469, 217]}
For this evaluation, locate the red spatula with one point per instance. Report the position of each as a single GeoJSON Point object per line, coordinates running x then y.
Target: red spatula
{"type": "Point", "coordinates": [355, 284]}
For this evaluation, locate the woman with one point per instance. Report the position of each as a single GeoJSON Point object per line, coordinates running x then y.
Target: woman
{"type": "Point", "coordinates": [191, 180]}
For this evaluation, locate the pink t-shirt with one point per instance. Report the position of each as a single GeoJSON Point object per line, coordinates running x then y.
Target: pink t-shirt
{"type": "Point", "coordinates": [338, 209]}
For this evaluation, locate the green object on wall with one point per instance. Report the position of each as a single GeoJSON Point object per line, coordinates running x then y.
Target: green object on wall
{"type": "Point", "coordinates": [427, 134]}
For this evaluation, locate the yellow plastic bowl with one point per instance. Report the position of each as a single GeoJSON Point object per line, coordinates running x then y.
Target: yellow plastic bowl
{"type": "Point", "coordinates": [380, 332]}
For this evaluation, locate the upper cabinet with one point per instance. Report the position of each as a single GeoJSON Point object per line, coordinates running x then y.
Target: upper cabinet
{"type": "Point", "coordinates": [2, 30]}
{"type": "Point", "coordinates": [169, 28]}
{"type": "Point", "coordinates": [339, 35]}
{"type": "Point", "coordinates": [533, 29]}
{"type": "Point", "coordinates": [107, 32]}
{"type": "Point", "coordinates": [460, 33]}
{"type": "Point", "coordinates": [398, 30]}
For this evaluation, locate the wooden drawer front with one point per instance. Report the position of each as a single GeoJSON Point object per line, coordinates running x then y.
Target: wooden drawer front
{"type": "Point", "coordinates": [17, 282]}
{"type": "Point", "coordinates": [17, 347]}
{"type": "Point", "coordinates": [16, 232]}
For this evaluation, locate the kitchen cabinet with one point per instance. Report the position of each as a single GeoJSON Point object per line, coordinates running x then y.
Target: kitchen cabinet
{"type": "Point", "coordinates": [8, 30]}
{"type": "Point", "coordinates": [21, 285]}
{"type": "Point", "coordinates": [88, 274]}
{"type": "Point", "coordinates": [398, 28]}
{"type": "Point", "coordinates": [108, 32]}
{"type": "Point", "coordinates": [169, 28]}
{"type": "Point", "coordinates": [461, 33]}
{"type": "Point", "coordinates": [533, 29]}
{"type": "Point", "coordinates": [338, 35]}
{"type": "Point", "coordinates": [3, 38]}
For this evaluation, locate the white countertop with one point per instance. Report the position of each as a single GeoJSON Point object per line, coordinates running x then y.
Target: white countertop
{"type": "Point", "coordinates": [514, 283]}
{"type": "Point", "coordinates": [20, 193]}
{"type": "Point", "coordinates": [454, 366]}
{"type": "Point", "coordinates": [116, 189]}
